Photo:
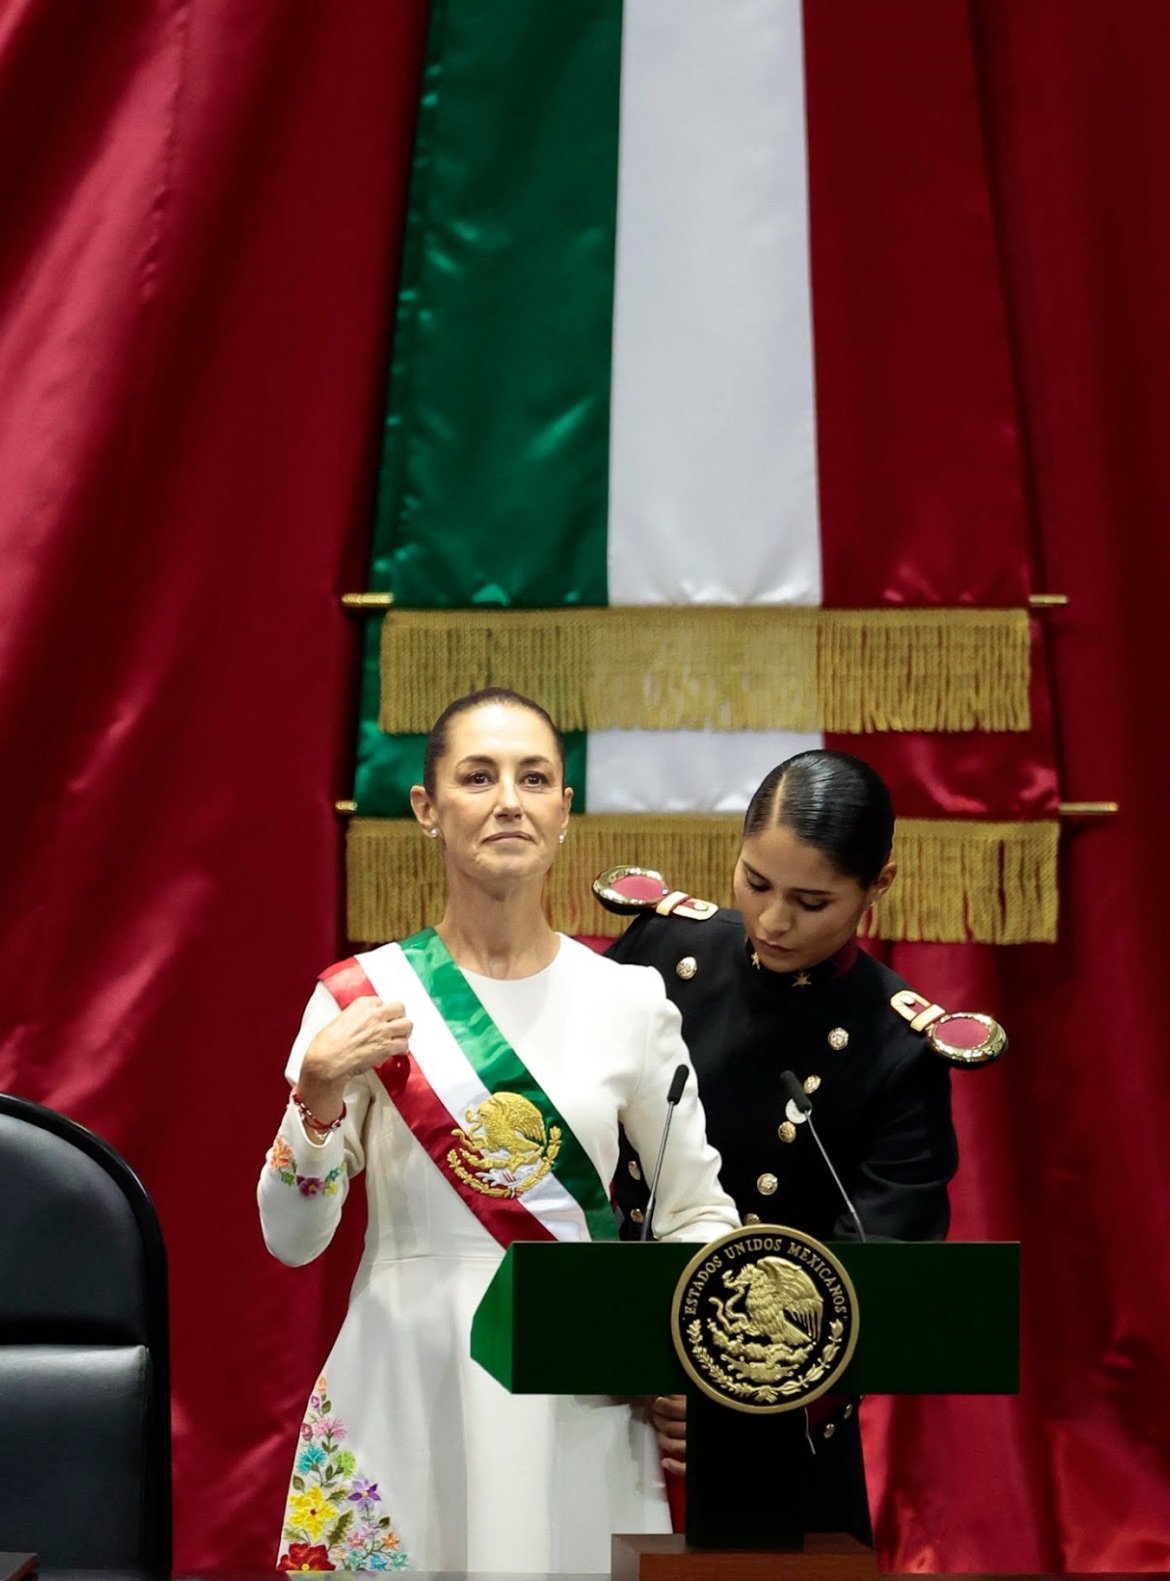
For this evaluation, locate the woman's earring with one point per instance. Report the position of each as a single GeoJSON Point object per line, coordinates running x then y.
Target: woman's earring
{"type": "Point", "coordinates": [562, 839]}
{"type": "Point", "coordinates": [432, 834]}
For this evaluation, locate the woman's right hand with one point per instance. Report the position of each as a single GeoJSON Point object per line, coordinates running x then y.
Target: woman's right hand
{"type": "Point", "coordinates": [367, 1032]}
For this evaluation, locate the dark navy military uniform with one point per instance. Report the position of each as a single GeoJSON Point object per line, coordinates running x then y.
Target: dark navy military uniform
{"type": "Point", "coordinates": [881, 1106]}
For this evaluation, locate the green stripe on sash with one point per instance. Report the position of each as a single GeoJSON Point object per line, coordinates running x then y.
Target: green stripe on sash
{"type": "Point", "coordinates": [501, 1069]}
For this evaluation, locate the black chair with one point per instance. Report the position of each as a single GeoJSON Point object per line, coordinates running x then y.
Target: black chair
{"type": "Point", "coordinates": [85, 1432]}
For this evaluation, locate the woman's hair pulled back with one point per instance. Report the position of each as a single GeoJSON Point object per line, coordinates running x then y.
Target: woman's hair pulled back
{"type": "Point", "coordinates": [833, 801]}
{"type": "Point", "coordinates": [440, 730]}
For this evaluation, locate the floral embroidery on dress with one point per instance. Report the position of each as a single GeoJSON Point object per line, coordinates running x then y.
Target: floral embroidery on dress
{"type": "Point", "coordinates": [332, 1520]}
{"type": "Point", "coordinates": [281, 1159]}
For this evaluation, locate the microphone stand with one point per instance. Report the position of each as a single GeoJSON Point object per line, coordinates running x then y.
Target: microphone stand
{"type": "Point", "coordinates": [798, 1109]}
{"type": "Point", "coordinates": [677, 1083]}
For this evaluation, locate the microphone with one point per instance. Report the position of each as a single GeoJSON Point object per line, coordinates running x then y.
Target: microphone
{"type": "Point", "coordinates": [677, 1083]}
{"type": "Point", "coordinates": [798, 1109]}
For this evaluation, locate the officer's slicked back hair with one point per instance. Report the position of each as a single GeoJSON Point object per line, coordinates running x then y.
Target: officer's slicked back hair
{"type": "Point", "coordinates": [833, 801]}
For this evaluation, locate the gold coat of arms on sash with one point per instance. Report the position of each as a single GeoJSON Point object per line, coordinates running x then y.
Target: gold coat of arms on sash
{"type": "Point", "coordinates": [764, 1319]}
{"type": "Point", "coordinates": [504, 1147]}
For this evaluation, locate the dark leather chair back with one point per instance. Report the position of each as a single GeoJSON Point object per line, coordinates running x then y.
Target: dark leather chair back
{"type": "Point", "coordinates": [85, 1437]}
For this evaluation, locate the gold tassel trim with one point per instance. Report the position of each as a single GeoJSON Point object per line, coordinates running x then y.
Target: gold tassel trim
{"type": "Point", "coordinates": [958, 880]}
{"type": "Point", "coordinates": [761, 667]}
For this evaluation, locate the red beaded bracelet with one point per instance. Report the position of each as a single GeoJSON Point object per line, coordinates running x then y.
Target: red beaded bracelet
{"type": "Point", "coordinates": [310, 1118]}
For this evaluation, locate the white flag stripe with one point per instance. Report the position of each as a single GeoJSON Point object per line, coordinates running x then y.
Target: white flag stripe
{"type": "Point", "coordinates": [713, 484]}
{"type": "Point", "coordinates": [682, 770]}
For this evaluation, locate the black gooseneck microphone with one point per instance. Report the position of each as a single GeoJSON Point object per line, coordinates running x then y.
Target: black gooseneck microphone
{"type": "Point", "coordinates": [677, 1082]}
{"type": "Point", "coordinates": [798, 1108]}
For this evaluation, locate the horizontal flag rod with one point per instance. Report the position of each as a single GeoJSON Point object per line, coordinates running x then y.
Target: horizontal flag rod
{"type": "Point", "coordinates": [959, 880]}
{"type": "Point", "coordinates": [1066, 809]}
{"type": "Point", "coordinates": [717, 667]}
{"type": "Point", "coordinates": [374, 601]}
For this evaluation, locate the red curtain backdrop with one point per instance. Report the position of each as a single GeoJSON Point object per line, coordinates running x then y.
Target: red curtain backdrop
{"type": "Point", "coordinates": [924, 495]}
{"type": "Point", "coordinates": [1062, 1142]}
{"type": "Point", "coordinates": [203, 204]}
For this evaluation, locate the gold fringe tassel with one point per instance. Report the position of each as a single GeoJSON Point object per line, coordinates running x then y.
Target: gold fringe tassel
{"type": "Point", "coordinates": [958, 880]}
{"type": "Point", "coordinates": [762, 667]}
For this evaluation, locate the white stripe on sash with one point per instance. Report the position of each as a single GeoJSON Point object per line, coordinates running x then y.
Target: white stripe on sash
{"type": "Point", "coordinates": [455, 1083]}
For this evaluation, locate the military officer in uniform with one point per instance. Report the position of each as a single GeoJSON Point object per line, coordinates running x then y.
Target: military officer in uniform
{"type": "Point", "coordinates": [781, 984]}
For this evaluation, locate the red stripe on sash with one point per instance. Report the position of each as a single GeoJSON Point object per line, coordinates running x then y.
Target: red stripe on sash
{"type": "Point", "coordinates": [346, 982]}
{"type": "Point", "coordinates": [430, 1120]}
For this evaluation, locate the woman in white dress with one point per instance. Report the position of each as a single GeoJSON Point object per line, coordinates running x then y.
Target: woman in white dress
{"type": "Point", "coordinates": [478, 1073]}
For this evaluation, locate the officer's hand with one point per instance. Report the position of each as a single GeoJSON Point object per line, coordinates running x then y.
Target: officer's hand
{"type": "Point", "coordinates": [668, 1413]}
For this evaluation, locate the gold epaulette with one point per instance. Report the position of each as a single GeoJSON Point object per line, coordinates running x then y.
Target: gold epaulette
{"type": "Point", "coordinates": [964, 1037]}
{"type": "Point", "coordinates": [629, 890]}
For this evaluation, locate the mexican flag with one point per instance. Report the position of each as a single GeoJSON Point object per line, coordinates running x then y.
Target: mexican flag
{"type": "Point", "coordinates": [701, 431]}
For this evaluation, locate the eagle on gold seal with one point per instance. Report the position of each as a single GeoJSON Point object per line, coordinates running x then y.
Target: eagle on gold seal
{"type": "Point", "coordinates": [765, 1319]}
{"type": "Point", "coordinates": [774, 1298]}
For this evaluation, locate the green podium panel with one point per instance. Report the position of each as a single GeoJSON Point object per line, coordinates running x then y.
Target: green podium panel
{"type": "Point", "coordinates": [934, 1317]}
{"type": "Point", "coordinates": [937, 1317]}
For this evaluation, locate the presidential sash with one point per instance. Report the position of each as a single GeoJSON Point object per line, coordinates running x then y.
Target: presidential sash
{"type": "Point", "coordinates": [489, 1127]}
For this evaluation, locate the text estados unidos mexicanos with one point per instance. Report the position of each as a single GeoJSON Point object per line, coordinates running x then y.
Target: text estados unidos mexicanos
{"type": "Point", "coordinates": [755, 1244]}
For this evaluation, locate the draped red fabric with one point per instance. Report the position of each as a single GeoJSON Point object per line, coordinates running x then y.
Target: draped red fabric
{"type": "Point", "coordinates": [993, 339]}
{"type": "Point", "coordinates": [924, 494]}
{"type": "Point", "coordinates": [919, 457]}
{"type": "Point", "coordinates": [1078, 123]}
{"type": "Point", "coordinates": [203, 207]}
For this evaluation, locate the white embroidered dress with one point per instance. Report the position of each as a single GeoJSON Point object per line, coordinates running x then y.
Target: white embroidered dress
{"type": "Point", "coordinates": [410, 1454]}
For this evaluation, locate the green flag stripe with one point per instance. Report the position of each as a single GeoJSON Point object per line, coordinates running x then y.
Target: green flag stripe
{"type": "Point", "coordinates": [495, 475]}
{"type": "Point", "coordinates": [387, 766]}
{"type": "Point", "coordinates": [501, 1069]}
{"type": "Point", "coordinates": [495, 459]}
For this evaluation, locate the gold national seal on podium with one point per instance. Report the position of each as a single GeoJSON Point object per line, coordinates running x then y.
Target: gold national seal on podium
{"type": "Point", "coordinates": [764, 1319]}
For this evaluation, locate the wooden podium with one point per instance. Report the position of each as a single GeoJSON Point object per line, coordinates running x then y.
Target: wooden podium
{"type": "Point", "coordinates": [935, 1318]}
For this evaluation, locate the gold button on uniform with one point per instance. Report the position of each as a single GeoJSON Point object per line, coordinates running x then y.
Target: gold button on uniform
{"type": "Point", "coordinates": [786, 1131]}
{"type": "Point", "coordinates": [687, 967]}
{"type": "Point", "coordinates": [830, 1429]}
{"type": "Point", "coordinates": [811, 1083]}
{"type": "Point", "coordinates": [838, 1039]}
{"type": "Point", "coordinates": [634, 1169]}
{"type": "Point", "coordinates": [637, 1215]}
{"type": "Point", "coordinates": [751, 1218]}
{"type": "Point", "coordinates": [847, 1412]}
{"type": "Point", "coordinates": [767, 1184]}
